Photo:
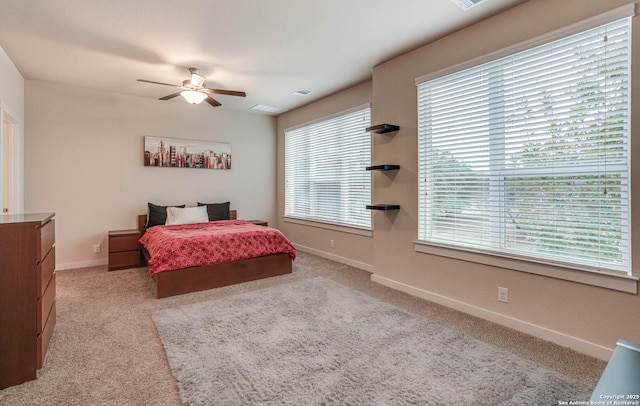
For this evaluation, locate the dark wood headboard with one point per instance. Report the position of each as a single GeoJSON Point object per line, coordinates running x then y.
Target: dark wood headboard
{"type": "Point", "coordinates": [142, 220]}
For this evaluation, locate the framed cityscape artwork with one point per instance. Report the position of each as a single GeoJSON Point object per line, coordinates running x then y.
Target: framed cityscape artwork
{"type": "Point", "coordinates": [179, 153]}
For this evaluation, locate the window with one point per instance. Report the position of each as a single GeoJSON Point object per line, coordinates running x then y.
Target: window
{"type": "Point", "coordinates": [325, 176]}
{"type": "Point", "coordinates": [527, 156]}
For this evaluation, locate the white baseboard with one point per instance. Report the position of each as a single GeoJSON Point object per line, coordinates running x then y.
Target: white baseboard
{"type": "Point", "coordinates": [81, 264]}
{"type": "Point", "coordinates": [337, 258]}
{"type": "Point", "coordinates": [577, 344]}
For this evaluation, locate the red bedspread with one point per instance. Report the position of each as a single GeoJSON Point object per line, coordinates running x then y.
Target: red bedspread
{"type": "Point", "coordinates": [184, 246]}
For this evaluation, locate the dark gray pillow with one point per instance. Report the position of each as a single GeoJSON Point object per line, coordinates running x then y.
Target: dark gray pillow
{"type": "Point", "coordinates": [157, 215]}
{"type": "Point", "coordinates": [217, 211]}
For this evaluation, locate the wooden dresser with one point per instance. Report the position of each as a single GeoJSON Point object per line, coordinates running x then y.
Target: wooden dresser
{"type": "Point", "coordinates": [27, 294]}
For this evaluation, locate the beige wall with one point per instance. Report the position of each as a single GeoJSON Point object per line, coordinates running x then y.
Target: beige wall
{"type": "Point", "coordinates": [587, 318]}
{"type": "Point", "coordinates": [11, 85]}
{"type": "Point", "coordinates": [84, 161]}
{"type": "Point", "coordinates": [349, 248]}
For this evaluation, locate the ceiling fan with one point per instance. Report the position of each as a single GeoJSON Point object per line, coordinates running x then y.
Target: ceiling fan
{"type": "Point", "coordinates": [193, 90]}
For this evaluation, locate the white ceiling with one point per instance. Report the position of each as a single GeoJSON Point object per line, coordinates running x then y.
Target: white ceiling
{"type": "Point", "coordinates": [267, 48]}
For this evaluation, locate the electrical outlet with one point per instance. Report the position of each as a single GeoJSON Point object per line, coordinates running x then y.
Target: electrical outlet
{"type": "Point", "coordinates": [503, 295]}
{"type": "Point", "coordinates": [332, 243]}
{"type": "Point", "coordinates": [96, 248]}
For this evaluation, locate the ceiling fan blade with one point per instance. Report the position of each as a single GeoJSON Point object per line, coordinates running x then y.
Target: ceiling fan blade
{"type": "Point", "coordinates": [171, 96]}
{"type": "Point", "coordinates": [157, 83]}
{"type": "Point", "coordinates": [212, 101]}
{"type": "Point", "coordinates": [227, 92]}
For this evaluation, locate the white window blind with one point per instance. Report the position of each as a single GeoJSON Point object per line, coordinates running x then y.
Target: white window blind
{"type": "Point", "coordinates": [325, 176]}
{"type": "Point", "coordinates": [527, 156]}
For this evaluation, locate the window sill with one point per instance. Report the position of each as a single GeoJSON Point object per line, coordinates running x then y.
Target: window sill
{"type": "Point", "coordinates": [330, 226]}
{"type": "Point", "coordinates": [613, 281]}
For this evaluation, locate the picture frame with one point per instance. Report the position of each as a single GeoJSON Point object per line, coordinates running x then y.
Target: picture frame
{"type": "Point", "coordinates": [181, 153]}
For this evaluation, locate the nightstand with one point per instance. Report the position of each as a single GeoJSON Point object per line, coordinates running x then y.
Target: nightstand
{"type": "Point", "coordinates": [259, 222]}
{"type": "Point", "coordinates": [124, 251]}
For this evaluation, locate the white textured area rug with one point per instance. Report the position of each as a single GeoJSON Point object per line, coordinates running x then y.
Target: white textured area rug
{"type": "Point", "coordinates": [316, 342]}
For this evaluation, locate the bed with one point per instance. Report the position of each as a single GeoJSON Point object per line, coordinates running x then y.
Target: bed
{"type": "Point", "coordinates": [171, 282]}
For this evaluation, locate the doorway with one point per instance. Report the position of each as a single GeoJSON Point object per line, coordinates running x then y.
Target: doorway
{"type": "Point", "coordinates": [9, 164]}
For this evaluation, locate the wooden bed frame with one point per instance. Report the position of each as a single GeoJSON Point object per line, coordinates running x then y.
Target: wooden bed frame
{"type": "Point", "coordinates": [194, 279]}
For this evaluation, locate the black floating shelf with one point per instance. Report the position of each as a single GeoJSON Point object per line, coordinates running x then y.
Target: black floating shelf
{"type": "Point", "coordinates": [384, 167]}
{"type": "Point", "coordinates": [382, 128]}
{"type": "Point", "coordinates": [384, 207]}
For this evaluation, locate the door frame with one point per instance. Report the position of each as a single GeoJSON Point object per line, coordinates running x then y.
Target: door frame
{"type": "Point", "coordinates": [11, 162]}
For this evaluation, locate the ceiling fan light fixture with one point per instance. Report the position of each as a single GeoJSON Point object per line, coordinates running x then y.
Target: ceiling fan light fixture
{"type": "Point", "coordinates": [194, 92]}
{"type": "Point", "coordinates": [193, 97]}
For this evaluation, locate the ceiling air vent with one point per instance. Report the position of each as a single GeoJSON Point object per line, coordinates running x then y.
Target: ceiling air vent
{"type": "Point", "coordinates": [267, 109]}
{"type": "Point", "coordinates": [302, 92]}
{"type": "Point", "coordinates": [467, 4]}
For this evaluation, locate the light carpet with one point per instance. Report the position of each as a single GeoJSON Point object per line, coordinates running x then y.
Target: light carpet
{"type": "Point", "coordinates": [317, 342]}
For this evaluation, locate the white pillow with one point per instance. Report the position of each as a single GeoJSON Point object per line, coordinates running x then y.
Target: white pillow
{"type": "Point", "coordinates": [187, 215]}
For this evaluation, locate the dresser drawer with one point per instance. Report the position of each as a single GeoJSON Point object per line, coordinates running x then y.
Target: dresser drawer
{"type": "Point", "coordinates": [47, 239]}
{"type": "Point", "coordinates": [45, 304]}
{"type": "Point", "coordinates": [43, 339]}
{"type": "Point", "coordinates": [45, 272]}
{"type": "Point", "coordinates": [124, 259]}
{"type": "Point", "coordinates": [123, 242]}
